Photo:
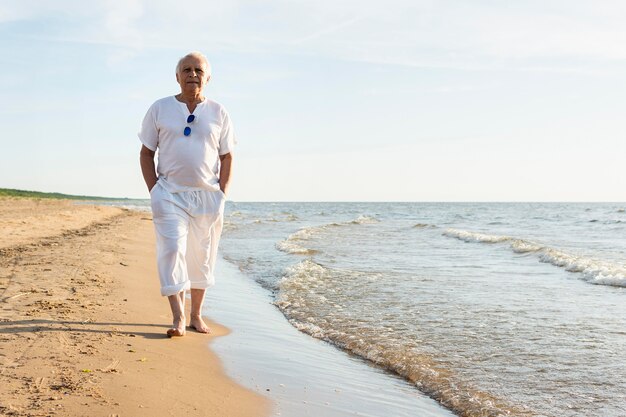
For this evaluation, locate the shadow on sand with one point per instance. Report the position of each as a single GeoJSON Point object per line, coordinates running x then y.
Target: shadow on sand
{"type": "Point", "coordinates": [120, 328]}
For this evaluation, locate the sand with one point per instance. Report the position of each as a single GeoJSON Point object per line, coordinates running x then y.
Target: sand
{"type": "Point", "coordinates": [82, 323]}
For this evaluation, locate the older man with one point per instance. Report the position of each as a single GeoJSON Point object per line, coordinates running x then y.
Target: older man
{"type": "Point", "coordinates": [195, 140]}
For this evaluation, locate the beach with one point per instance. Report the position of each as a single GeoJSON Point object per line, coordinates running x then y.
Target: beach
{"type": "Point", "coordinates": [82, 332]}
{"type": "Point", "coordinates": [82, 326]}
{"type": "Point", "coordinates": [322, 309]}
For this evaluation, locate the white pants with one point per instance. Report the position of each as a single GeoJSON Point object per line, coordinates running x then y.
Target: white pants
{"type": "Point", "coordinates": [188, 226]}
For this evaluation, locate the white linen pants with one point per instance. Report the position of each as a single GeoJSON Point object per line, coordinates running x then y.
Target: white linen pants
{"type": "Point", "coordinates": [188, 226]}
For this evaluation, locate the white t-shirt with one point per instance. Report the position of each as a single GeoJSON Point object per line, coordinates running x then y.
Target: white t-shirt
{"type": "Point", "coordinates": [187, 163]}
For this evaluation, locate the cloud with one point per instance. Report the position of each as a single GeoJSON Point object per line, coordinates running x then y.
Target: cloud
{"type": "Point", "coordinates": [575, 36]}
{"type": "Point", "coordinates": [120, 21]}
{"type": "Point", "coordinates": [328, 30]}
{"type": "Point", "coordinates": [479, 36]}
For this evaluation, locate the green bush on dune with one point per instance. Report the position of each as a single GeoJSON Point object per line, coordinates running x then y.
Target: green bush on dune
{"type": "Point", "coordinates": [8, 192]}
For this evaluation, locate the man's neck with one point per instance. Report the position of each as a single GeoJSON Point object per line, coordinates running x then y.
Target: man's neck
{"type": "Point", "coordinates": [190, 98]}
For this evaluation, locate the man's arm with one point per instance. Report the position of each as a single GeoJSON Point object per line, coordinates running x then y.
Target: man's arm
{"type": "Point", "coordinates": [225, 169]}
{"type": "Point", "coordinates": [146, 160]}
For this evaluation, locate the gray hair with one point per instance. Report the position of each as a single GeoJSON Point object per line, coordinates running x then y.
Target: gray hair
{"type": "Point", "coordinates": [198, 55]}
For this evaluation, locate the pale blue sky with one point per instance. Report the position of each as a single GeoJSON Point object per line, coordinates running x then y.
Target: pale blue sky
{"type": "Point", "coordinates": [331, 100]}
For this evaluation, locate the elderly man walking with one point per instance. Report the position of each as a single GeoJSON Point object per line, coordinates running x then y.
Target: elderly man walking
{"type": "Point", "coordinates": [195, 140]}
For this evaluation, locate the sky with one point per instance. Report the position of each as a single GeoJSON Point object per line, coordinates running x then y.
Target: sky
{"type": "Point", "coordinates": [403, 100]}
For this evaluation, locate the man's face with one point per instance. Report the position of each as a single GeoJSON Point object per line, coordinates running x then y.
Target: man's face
{"type": "Point", "coordinates": [192, 75]}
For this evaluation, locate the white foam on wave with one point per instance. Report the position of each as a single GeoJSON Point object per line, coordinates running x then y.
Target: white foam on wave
{"type": "Point", "coordinates": [524, 246]}
{"type": "Point", "coordinates": [363, 219]}
{"type": "Point", "coordinates": [133, 207]}
{"type": "Point", "coordinates": [291, 247]}
{"type": "Point", "coordinates": [293, 243]}
{"type": "Point", "coordinates": [593, 270]}
{"type": "Point", "coordinates": [285, 216]}
{"type": "Point", "coordinates": [299, 278]}
{"type": "Point", "coordinates": [475, 237]}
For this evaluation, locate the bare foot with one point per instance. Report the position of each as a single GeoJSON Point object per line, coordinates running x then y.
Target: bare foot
{"type": "Point", "coordinates": [198, 325]}
{"type": "Point", "coordinates": [178, 328]}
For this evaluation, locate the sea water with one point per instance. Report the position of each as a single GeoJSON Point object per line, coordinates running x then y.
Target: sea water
{"type": "Point", "coordinates": [488, 308]}
{"type": "Point", "coordinates": [491, 309]}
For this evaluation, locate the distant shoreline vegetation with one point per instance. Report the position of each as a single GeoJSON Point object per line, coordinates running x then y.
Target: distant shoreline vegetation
{"type": "Point", "coordinates": [9, 192]}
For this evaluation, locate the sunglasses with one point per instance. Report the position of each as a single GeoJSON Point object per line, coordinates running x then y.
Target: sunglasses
{"type": "Point", "coordinates": [187, 130]}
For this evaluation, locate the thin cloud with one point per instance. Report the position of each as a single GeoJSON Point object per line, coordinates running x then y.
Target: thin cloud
{"type": "Point", "coordinates": [327, 30]}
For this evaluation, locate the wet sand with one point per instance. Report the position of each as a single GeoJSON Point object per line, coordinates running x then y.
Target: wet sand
{"type": "Point", "coordinates": [82, 324]}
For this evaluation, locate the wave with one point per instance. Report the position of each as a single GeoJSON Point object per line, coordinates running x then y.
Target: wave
{"type": "Point", "coordinates": [607, 221]}
{"type": "Point", "coordinates": [363, 219]}
{"type": "Point", "coordinates": [292, 243]}
{"type": "Point", "coordinates": [424, 226]}
{"type": "Point", "coordinates": [274, 218]}
{"type": "Point", "coordinates": [302, 301]}
{"type": "Point", "coordinates": [475, 237]}
{"type": "Point", "coordinates": [287, 216]}
{"type": "Point", "coordinates": [291, 247]}
{"type": "Point", "coordinates": [229, 226]}
{"type": "Point", "coordinates": [592, 270]}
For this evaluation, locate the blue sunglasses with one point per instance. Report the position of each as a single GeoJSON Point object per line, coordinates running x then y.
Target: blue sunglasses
{"type": "Point", "coordinates": [187, 130]}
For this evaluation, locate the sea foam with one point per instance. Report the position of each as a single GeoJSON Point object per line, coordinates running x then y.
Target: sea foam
{"type": "Point", "coordinates": [303, 298]}
{"type": "Point", "coordinates": [595, 271]}
{"type": "Point", "coordinates": [294, 242]}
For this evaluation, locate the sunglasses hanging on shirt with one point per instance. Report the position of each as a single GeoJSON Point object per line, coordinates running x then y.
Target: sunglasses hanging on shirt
{"type": "Point", "coordinates": [187, 130]}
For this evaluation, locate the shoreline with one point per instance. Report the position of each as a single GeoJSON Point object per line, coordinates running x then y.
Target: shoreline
{"type": "Point", "coordinates": [303, 375]}
{"type": "Point", "coordinates": [82, 325]}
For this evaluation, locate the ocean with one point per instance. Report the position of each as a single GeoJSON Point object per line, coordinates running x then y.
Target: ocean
{"type": "Point", "coordinates": [489, 308]}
